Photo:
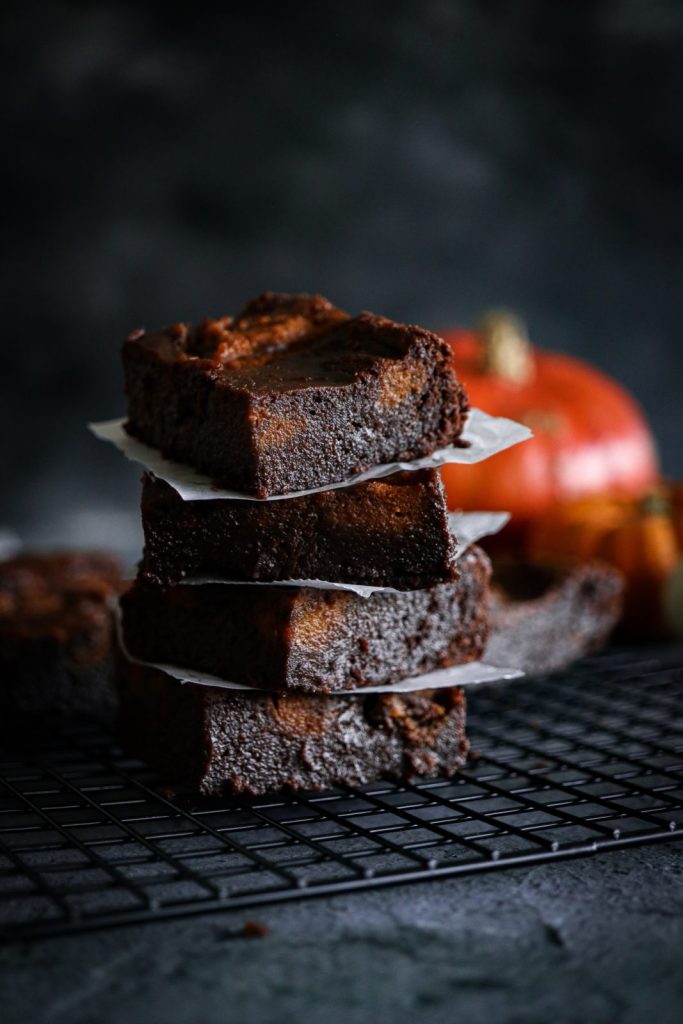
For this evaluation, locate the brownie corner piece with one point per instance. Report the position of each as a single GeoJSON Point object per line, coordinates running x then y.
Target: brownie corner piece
{"type": "Point", "coordinates": [218, 742]}
{"type": "Point", "coordinates": [291, 394]}
{"type": "Point", "coordinates": [392, 532]}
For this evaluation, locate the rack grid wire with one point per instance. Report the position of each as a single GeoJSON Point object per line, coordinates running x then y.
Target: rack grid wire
{"type": "Point", "coordinates": [576, 763]}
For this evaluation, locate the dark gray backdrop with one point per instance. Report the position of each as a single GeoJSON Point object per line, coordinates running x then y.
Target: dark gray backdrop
{"type": "Point", "coordinates": [424, 160]}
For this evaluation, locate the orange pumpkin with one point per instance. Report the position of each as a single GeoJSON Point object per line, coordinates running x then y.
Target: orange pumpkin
{"type": "Point", "coordinates": [638, 537]}
{"type": "Point", "coordinates": [590, 436]}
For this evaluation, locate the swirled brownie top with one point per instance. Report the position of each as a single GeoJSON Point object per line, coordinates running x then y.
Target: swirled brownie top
{"type": "Point", "coordinates": [276, 339]}
{"type": "Point", "coordinates": [285, 341]}
{"type": "Point", "coordinates": [291, 393]}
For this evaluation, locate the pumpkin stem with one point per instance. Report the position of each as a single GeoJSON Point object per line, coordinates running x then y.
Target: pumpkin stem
{"type": "Point", "coordinates": [506, 349]}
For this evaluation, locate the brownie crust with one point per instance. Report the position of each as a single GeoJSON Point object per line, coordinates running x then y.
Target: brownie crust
{"type": "Point", "coordinates": [57, 634]}
{"type": "Point", "coordinates": [216, 742]}
{"type": "Point", "coordinates": [315, 641]}
{"type": "Point", "coordinates": [392, 533]}
{"type": "Point", "coordinates": [291, 394]}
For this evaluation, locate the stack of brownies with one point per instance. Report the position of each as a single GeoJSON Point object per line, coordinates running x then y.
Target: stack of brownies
{"type": "Point", "coordinates": [280, 404]}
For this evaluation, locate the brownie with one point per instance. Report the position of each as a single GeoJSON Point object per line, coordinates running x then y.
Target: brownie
{"type": "Point", "coordinates": [56, 633]}
{"type": "Point", "coordinates": [291, 394]}
{"type": "Point", "coordinates": [221, 742]}
{"type": "Point", "coordinates": [392, 532]}
{"type": "Point", "coordinates": [312, 640]}
{"type": "Point", "coordinates": [544, 616]}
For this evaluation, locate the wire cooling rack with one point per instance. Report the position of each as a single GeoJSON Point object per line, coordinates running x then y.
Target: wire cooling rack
{"type": "Point", "coordinates": [577, 763]}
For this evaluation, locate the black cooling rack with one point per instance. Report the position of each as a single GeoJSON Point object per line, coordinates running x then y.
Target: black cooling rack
{"type": "Point", "coordinates": [577, 763]}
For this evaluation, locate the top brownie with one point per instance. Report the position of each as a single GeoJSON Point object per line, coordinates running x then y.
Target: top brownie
{"type": "Point", "coordinates": [291, 394]}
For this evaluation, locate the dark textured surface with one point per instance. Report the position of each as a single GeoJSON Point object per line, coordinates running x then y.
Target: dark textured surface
{"type": "Point", "coordinates": [292, 394]}
{"type": "Point", "coordinates": [307, 639]}
{"type": "Point", "coordinates": [592, 940]}
{"type": "Point", "coordinates": [424, 160]}
{"type": "Point", "coordinates": [392, 532]}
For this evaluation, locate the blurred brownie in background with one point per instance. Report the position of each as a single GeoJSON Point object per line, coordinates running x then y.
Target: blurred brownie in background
{"type": "Point", "coordinates": [544, 616]}
{"type": "Point", "coordinates": [57, 634]}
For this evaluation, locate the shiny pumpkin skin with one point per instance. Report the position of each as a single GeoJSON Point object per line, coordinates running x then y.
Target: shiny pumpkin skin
{"type": "Point", "coordinates": [590, 437]}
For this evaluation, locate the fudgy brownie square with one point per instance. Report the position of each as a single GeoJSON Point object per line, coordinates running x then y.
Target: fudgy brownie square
{"type": "Point", "coordinates": [220, 742]}
{"type": "Point", "coordinates": [392, 532]}
{"type": "Point", "coordinates": [316, 641]}
{"type": "Point", "coordinates": [57, 652]}
{"type": "Point", "coordinates": [291, 394]}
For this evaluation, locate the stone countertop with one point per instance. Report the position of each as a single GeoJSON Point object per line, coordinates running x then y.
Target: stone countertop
{"type": "Point", "coordinates": [591, 940]}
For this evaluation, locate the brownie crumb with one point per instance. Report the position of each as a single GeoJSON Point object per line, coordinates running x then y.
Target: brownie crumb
{"type": "Point", "coordinates": [254, 930]}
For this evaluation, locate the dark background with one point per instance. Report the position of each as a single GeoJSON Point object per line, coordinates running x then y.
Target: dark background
{"type": "Point", "coordinates": [423, 160]}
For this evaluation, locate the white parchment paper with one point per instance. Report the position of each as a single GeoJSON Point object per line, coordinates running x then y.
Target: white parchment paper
{"type": "Point", "coordinates": [468, 527]}
{"type": "Point", "coordinates": [476, 673]}
{"type": "Point", "coordinates": [485, 436]}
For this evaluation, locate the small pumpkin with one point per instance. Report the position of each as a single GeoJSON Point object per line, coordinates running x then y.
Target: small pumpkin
{"type": "Point", "coordinates": [673, 600]}
{"type": "Point", "coordinates": [637, 536]}
{"type": "Point", "coordinates": [675, 495]}
{"type": "Point", "coordinates": [590, 436]}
